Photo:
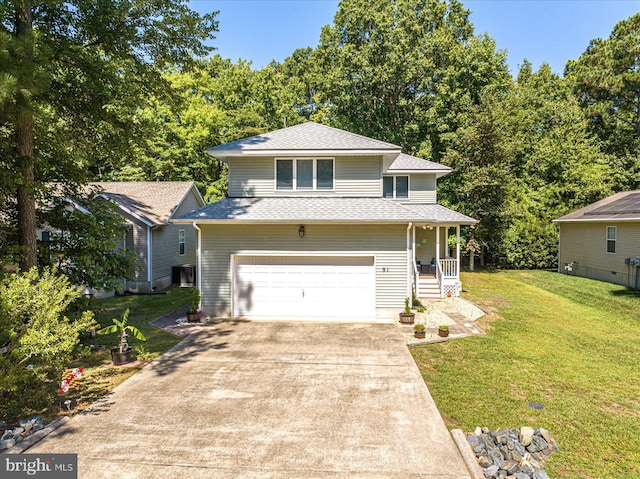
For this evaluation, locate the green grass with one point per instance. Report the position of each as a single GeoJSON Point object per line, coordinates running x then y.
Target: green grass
{"type": "Point", "coordinates": [569, 343]}
{"type": "Point", "coordinates": [99, 377]}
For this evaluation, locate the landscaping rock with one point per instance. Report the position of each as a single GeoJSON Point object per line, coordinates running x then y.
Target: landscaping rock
{"type": "Point", "coordinates": [502, 454]}
{"type": "Point", "coordinates": [526, 435]}
{"type": "Point", "coordinates": [16, 434]}
{"type": "Point", "coordinates": [7, 443]}
{"type": "Point", "coordinates": [491, 472]}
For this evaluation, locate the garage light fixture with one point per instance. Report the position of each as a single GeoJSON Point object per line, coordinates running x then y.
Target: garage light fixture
{"type": "Point", "coordinates": [301, 231]}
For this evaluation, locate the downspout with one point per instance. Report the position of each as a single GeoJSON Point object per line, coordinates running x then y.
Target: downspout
{"type": "Point", "coordinates": [149, 258]}
{"type": "Point", "coordinates": [409, 266]}
{"type": "Point", "coordinates": [559, 233]}
{"type": "Point", "coordinates": [198, 261]}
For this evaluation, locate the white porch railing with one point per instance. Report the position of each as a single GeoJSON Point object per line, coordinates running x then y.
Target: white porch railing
{"type": "Point", "coordinates": [449, 268]}
{"type": "Point", "coordinates": [447, 276]}
{"type": "Point", "coordinates": [440, 278]}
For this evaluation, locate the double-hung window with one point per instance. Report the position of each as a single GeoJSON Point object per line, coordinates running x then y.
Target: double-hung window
{"type": "Point", "coordinates": [181, 242]}
{"type": "Point", "coordinates": [305, 174]}
{"type": "Point", "coordinates": [395, 186]}
{"type": "Point", "coordinates": [612, 236]}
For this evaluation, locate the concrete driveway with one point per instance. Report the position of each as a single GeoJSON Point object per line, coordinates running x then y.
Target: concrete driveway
{"type": "Point", "coordinates": [268, 400]}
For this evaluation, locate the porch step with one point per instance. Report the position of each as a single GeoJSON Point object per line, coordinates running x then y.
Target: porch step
{"type": "Point", "coordinates": [428, 288]}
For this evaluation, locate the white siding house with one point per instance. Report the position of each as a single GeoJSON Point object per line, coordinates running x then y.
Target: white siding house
{"type": "Point", "coordinates": [323, 224]}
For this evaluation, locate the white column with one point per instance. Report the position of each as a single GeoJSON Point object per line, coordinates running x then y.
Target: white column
{"type": "Point", "coordinates": [413, 230]}
{"type": "Point", "coordinates": [437, 247]}
{"type": "Point", "coordinates": [458, 251]}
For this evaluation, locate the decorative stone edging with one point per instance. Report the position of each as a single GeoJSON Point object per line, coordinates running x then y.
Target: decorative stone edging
{"type": "Point", "coordinates": [36, 436]}
{"type": "Point", "coordinates": [518, 454]}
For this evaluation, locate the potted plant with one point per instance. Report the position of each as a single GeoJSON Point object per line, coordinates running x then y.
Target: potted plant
{"type": "Point", "coordinates": [443, 330]}
{"type": "Point", "coordinates": [121, 354]}
{"type": "Point", "coordinates": [419, 331]}
{"type": "Point", "coordinates": [195, 313]}
{"type": "Point", "coordinates": [406, 316]}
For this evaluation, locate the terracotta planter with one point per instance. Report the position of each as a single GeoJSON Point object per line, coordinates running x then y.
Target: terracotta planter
{"type": "Point", "coordinates": [443, 334]}
{"type": "Point", "coordinates": [194, 317]}
{"type": "Point", "coordinates": [120, 358]}
{"type": "Point", "coordinates": [421, 335]}
{"type": "Point", "coordinates": [407, 318]}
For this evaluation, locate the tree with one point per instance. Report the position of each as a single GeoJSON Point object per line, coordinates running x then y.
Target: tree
{"type": "Point", "coordinates": [36, 338]}
{"type": "Point", "coordinates": [215, 101]}
{"type": "Point", "coordinates": [401, 70]}
{"type": "Point", "coordinates": [86, 241]}
{"type": "Point", "coordinates": [522, 158]}
{"type": "Point", "coordinates": [73, 67]}
{"type": "Point", "coordinates": [607, 80]}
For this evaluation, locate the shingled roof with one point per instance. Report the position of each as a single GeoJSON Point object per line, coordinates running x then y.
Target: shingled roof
{"type": "Point", "coordinates": [153, 201]}
{"type": "Point", "coordinates": [406, 163]}
{"type": "Point", "coordinates": [623, 206]}
{"type": "Point", "coordinates": [306, 137]}
{"type": "Point", "coordinates": [321, 209]}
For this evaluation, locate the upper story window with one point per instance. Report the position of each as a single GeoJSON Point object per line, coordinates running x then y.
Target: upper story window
{"type": "Point", "coordinates": [181, 242]}
{"type": "Point", "coordinates": [395, 186]}
{"type": "Point", "coordinates": [612, 235]}
{"type": "Point", "coordinates": [305, 174]}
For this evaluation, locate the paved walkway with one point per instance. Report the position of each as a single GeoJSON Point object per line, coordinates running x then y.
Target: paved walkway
{"type": "Point", "coordinates": [457, 313]}
{"type": "Point", "coordinates": [268, 400]}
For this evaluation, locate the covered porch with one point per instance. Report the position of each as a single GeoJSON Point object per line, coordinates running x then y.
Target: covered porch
{"type": "Point", "coordinates": [434, 252]}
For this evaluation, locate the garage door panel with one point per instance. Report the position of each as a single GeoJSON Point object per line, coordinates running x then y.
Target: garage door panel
{"type": "Point", "coordinates": [304, 287]}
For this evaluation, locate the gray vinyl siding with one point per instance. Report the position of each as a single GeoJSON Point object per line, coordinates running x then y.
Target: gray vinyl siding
{"type": "Point", "coordinates": [354, 176]}
{"type": "Point", "coordinates": [426, 251]}
{"type": "Point", "coordinates": [190, 202]}
{"type": "Point", "coordinates": [166, 251]}
{"type": "Point", "coordinates": [386, 242]}
{"type": "Point", "coordinates": [422, 188]}
{"type": "Point", "coordinates": [137, 242]}
{"type": "Point", "coordinates": [586, 244]}
{"type": "Point", "coordinates": [359, 176]}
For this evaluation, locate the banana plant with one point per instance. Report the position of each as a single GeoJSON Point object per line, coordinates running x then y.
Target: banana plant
{"type": "Point", "coordinates": [121, 327]}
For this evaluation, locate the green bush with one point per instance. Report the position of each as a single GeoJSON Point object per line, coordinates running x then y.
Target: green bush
{"type": "Point", "coordinates": [37, 339]}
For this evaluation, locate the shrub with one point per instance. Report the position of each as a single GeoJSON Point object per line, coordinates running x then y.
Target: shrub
{"type": "Point", "coordinates": [37, 339]}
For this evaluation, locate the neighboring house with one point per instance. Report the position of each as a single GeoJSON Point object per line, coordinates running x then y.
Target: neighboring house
{"type": "Point", "coordinates": [147, 208]}
{"type": "Point", "coordinates": [602, 240]}
{"type": "Point", "coordinates": [321, 223]}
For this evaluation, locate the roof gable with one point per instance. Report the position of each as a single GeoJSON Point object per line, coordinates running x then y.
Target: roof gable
{"type": "Point", "coordinates": [152, 201]}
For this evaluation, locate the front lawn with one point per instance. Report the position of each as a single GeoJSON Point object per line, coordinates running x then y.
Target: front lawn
{"type": "Point", "coordinates": [569, 343]}
{"type": "Point", "coordinates": [99, 378]}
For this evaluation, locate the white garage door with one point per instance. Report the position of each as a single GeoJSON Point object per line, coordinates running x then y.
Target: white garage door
{"type": "Point", "coordinates": [319, 288]}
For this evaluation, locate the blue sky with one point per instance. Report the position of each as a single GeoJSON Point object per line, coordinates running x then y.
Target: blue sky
{"type": "Point", "coordinates": [551, 31]}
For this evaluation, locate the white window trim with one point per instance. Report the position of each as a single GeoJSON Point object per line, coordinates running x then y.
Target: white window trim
{"type": "Point", "coordinates": [614, 239]}
{"type": "Point", "coordinates": [182, 240]}
{"type": "Point", "coordinates": [394, 186]}
{"type": "Point", "coordinates": [295, 174]}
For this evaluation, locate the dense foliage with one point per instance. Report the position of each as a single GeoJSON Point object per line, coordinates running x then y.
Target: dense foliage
{"type": "Point", "coordinates": [37, 338]}
{"type": "Point", "coordinates": [525, 148]}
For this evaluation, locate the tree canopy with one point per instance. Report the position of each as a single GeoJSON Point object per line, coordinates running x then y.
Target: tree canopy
{"type": "Point", "coordinates": [71, 73]}
{"type": "Point", "coordinates": [126, 91]}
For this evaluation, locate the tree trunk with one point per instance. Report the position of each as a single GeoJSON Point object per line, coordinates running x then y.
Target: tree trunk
{"type": "Point", "coordinates": [24, 141]}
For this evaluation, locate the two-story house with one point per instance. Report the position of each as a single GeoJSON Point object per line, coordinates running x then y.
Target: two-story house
{"type": "Point", "coordinates": [323, 224]}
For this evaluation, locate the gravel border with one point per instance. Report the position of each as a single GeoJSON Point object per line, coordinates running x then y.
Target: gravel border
{"type": "Point", "coordinates": [36, 436]}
